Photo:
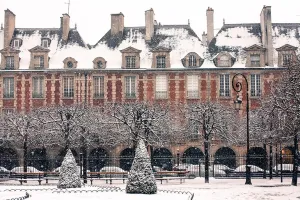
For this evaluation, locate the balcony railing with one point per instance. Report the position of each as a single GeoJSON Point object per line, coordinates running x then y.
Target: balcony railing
{"type": "Point", "coordinates": [37, 95]}
{"type": "Point", "coordinates": [161, 94]}
{"type": "Point", "coordinates": [130, 95]}
{"type": "Point", "coordinates": [193, 94]}
{"type": "Point", "coordinates": [98, 95]}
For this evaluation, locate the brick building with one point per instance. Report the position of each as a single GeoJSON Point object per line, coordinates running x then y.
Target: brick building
{"type": "Point", "coordinates": [155, 62]}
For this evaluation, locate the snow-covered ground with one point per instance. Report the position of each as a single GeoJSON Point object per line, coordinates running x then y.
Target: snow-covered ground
{"type": "Point", "coordinates": [217, 189]}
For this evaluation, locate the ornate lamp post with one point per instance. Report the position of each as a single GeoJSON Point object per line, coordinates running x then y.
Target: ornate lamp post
{"type": "Point", "coordinates": [178, 158]}
{"type": "Point", "coordinates": [238, 102]}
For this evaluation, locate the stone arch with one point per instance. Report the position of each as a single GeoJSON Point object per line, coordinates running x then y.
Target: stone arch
{"type": "Point", "coordinates": [186, 61]}
{"type": "Point", "coordinates": [70, 63]}
{"type": "Point", "coordinates": [225, 156]}
{"type": "Point", "coordinates": [38, 158]}
{"type": "Point", "coordinates": [257, 157]}
{"type": "Point", "coordinates": [98, 158]}
{"type": "Point", "coordinates": [8, 158]}
{"type": "Point", "coordinates": [192, 155]}
{"type": "Point", "coordinates": [287, 155]}
{"type": "Point", "coordinates": [99, 63]}
{"type": "Point", "coordinates": [126, 158]}
{"type": "Point", "coordinates": [162, 157]}
{"type": "Point", "coordinates": [58, 160]}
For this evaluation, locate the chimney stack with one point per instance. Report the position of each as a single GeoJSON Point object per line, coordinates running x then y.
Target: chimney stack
{"type": "Point", "coordinates": [9, 26]}
{"type": "Point", "coordinates": [204, 39]}
{"type": "Point", "coordinates": [65, 26]}
{"type": "Point", "coordinates": [117, 23]}
{"type": "Point", "coordinates": [210, 24]}
{"type": "Point", "coordinates": [149, 24]}
{"type": "Point", "coordinates": [266, 30]}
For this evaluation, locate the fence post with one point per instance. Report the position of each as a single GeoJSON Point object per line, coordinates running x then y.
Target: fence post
{"type": "Point", "coordinates": [200, 167]}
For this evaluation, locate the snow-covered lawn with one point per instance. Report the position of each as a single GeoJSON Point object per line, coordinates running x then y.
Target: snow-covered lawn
{"type": "Point", "coordinates": [217, 189]}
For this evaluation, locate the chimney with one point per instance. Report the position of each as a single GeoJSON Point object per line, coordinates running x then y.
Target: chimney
{"type": "Point", "coordinates": [149, 24]}
{"type": "Point", "coordinates": [65, 26]}
{"type": "Point", "coordinates": [117, 23]}
{"type": "Point", "coordinates": [210, 24]}
{"type": "Point", "coordinates": [204, 39]}
{"type": "Point", "coordinates": [9, 26]}
{"type": "Point", "coordinates": [266, 30]}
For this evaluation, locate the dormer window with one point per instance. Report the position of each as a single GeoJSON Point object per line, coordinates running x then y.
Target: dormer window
{"type": "Point", "coordinates": [39, 62]}
{"type": "Point", "coordinates": [192, 61]}
{"type": "Point", "coordinates": [161, 57]}
{"type": "Point", "coordinates": [130, 62]}
{"type": "Point", "coordinates": [70, 63]}
{"type": "Point", "coordinates": [45, 43]}
{"type": "Point", "coordinates": [16, 44]}
{"type": "Point", "coordinates": [99, 63]}
{"type": "Point", "coordinates": [130, 58]}
{"type": "Point", "coordinates": [160, 61]}
{"type": "Point", "coordinates": [10, 62]}
{"type": "Point", "coordinates": [286, 55]}
{"type": "Point", "coordinates": [223, 61]}
{"type": "Point", "coordinates": [255, 60]}
{"type": "Point", "coordinates": [286, 59]}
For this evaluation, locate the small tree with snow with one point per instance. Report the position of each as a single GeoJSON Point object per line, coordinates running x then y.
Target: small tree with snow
{"type": "Point", "coordinates": [69, 176]}
{"type": "Point", "coordinates": [141, 179]}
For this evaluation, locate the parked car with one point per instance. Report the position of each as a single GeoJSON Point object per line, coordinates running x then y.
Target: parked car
{"type": "Point", "coordinates": [29, 169]}
{"type": "Point", "coordinates": [112, 169]}
{"type": "Point", "coordinates": [240, 171]}
{"type": "Point", "coordinates": [286, 168]}
{"type": "Point", "coordinates": [58, 169]}
{"type": "Point", "coordinates": [157, 169]}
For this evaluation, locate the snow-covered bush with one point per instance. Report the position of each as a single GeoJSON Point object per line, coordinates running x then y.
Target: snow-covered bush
{"type": "Point", "coordinates": [69, 176]}
{"type": "Point", "coordinates": [141, 179]}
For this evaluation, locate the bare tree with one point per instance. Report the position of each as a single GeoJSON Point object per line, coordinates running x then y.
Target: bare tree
{"type": "Point", "coordinates": [211, 119]}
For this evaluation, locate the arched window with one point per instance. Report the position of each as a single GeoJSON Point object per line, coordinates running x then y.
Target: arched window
{"type": "Point", "coordinates": [99, 64]}
{"type": "Point", "coordinates": [192, 61]}
{"type": "Point", "coordinates": [70, 64]}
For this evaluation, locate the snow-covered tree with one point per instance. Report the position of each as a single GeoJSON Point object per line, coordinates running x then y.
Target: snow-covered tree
{"type": "Point", "coordinates": [141, 179]}
{"type": "Point", "coordinates": [209, 119]}
{"type": "Point", "coordinates": [68, 175]}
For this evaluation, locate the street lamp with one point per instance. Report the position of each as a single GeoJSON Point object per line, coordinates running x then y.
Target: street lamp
{"type": "Point", "coordinates": [178, 158]}
{"type": "Point", "coordinates": [238, 102]}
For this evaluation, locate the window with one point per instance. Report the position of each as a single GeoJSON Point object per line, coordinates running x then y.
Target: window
{"type": "Point", "coordinates": [8, 87]}
{"type": "Point", "coordinates": [68, 87]}
{"type": "Point", "coordinates": [45, 43]}
{"type": "Point", "coordinates": [99, 64]}
{"type": "Point", "coordinates": [192, 61]}
{"type": "Point", "coordinates": [161, 86]}
{"type": "Point", "coordinates": [10, 62]}
{"type": "Point", "coordinates": [38, 87]}
{"type": "Point", "coordinates": [255, 60]}
{"type": "Point", "coordinates": [192, 86]}
{"type": "Point", "coordinates": [286, 59]}
{"type": "Point", "coordinates": [255, 85]}
{"type": "Point", "coordinates": [7, 111]}
{"type": "Point", "coordinates": [16, 43]}
{"type": "Point", "coordinates": [130, 86]}
{"type": "Point", "coordinates": [130, 62]}
{"type": "Point", "coordinates": [39, 61]}
{"type": "Point", "coordinates": [223, 61]}
{"type": "Point", "coordinates": [70, 64]}
{"type": "Point", "coordinates": [224, 85]}
{"type": "Point", "coordinates": [161, 61]}
{"type": "Point", "coordinates": [98, 86]}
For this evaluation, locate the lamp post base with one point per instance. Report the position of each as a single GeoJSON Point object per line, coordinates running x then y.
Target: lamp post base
{"type": "Point", "coordinates": [248, 176]}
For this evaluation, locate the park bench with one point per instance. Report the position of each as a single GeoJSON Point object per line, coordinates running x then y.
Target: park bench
{"type": "Point", "coordinates": [171, 175]}
{"type": "Point", "coordinates": [107, 176]}
{"type": "Point", "coordinates": [30, 176]}
{"type": "Point", "coordinates": [51, 176]}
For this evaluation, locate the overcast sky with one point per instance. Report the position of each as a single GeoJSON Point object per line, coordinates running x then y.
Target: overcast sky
{"type": "Point", "coordinates": [93, 16]}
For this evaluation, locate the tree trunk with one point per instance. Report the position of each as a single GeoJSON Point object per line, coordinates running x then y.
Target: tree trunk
{"type": "Point", "coordinates": [265, 161]}
{"type": "Point", "coordinates": [84, 159]}
{"type": "Point", "coordinates": [25, 157]}
{"type": "Point", "coordinates": [206, 157]}
{"type": "Point", "coordinates": [271, 161]}
{"type": "Point", "coordinates": [295, 166]}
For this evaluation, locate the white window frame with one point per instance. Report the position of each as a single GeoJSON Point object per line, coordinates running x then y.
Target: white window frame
{"type": "Point", "coordinates": [286, 59]}
{"type": "Point", "coordinates": [255, 83]}
{"type": "Point", "coordinates": [18, 44]}
{"type": "Point", "coordinates": [161, 62]}
{"type": "Point", "coordinates": [44, 41]}
{"type": "Point", "coordinates": [192, 61]}
{"type": "Point", "coordinates": [38, 87]}
{"type": "Point", "coordinates": [130, 86]}
{"type": "Point", "coordinates": [8, 87]}
{"type": "Point", "coordinates": [98, 86]}
{"type": "Point", "coordinates": [224, 85]}
{"type": "Point", "coordinates": [11, 63]}
{"type": "Point", "coordinates": [130, 62]}
{"type": "Point", "coordinates": [161, 87]}
{"type": "Point", "coordinates": [68, 87]}
{"type": "Point", "coordinates": [192, 86]}
{"type": "Point", "coordinates": [255, 60]}
{"type": "Point", "coordinates": [39, 61]}
{"type": "Point", "coordinates": [223, 61]}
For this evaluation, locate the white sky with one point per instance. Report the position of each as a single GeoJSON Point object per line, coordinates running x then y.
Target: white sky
{"type": "Point", "coordinates": [93, 16]}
